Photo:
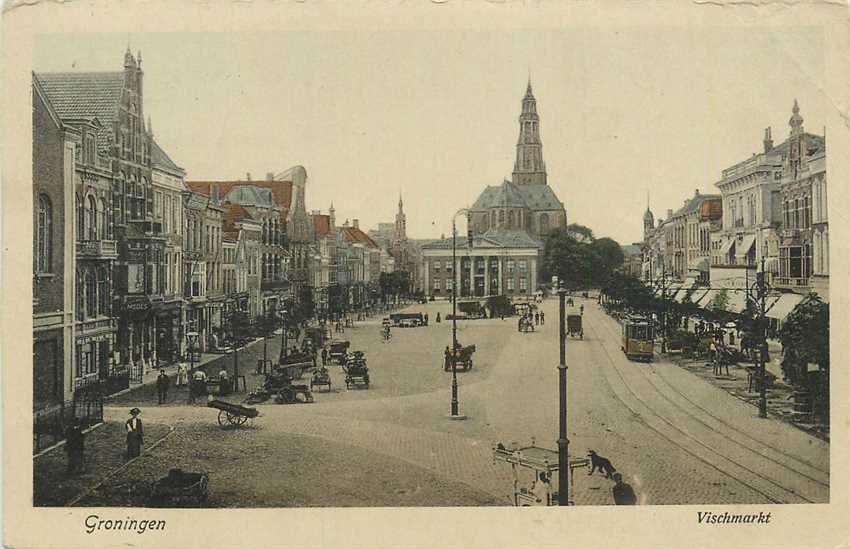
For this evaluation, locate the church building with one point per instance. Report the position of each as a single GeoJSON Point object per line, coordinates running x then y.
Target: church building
{"type": "Point", "coordinates": [507, 223]}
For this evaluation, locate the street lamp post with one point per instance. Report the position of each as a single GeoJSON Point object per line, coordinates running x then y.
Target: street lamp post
{"type": "Point", "coordinates": [283, 339]}
{"type": "Point", "coordinates": [563, 443]}
{"type": "Point", "coordinates": [455, 414]}
{"type": "Point", "coordinates": [193, 338]}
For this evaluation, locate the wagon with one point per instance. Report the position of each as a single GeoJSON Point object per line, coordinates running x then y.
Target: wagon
{"type": "Point", "coordinates": [180, 487]}
{"type": "Point", "coordinates": [574, 326]}
{"type": "Point", "coordinates": [464, 358]}
{"type": "Point", "coordinates": [356, 371]}
{"type": "Point", "coordinates": [338, 350]}
{"type": "Point", "coordinates": [295, 363]}
{"type": "Point", "coordinates": [234, 414]}
{"type": "Point", "coordinates": [321, 377]}
{"type": "Point", "coordinates": [279, 385]}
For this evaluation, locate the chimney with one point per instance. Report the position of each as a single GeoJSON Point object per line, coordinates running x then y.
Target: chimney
{"type": "Point", "coordinates": [670, 213]}
{"type": "Point", "coordinates": [355, 223]}
{"type": "Point", "coordinates": [269, 176]}
{"type": "Point", "coordinates": [248, 176]}
{"type": "Point", "coordinates": [768, 140]}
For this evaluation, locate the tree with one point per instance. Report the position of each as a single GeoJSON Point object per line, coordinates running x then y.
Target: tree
{"type": "Point", "coordinates": [580, 233]}
{"type": "Point", "coordinates": [580, 264]}
{"type": "Point", "coordinates": [805, 340]}
{"type": "Point", "coordinates": [610, 252]}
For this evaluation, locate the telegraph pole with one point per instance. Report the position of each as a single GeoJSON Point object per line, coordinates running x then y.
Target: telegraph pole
{"type": "Point", "coordinates": [563, 443]}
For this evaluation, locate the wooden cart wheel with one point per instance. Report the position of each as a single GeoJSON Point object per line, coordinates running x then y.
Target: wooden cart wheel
{"type": "Point", "coordinates": [288, 395]}
{"type": "Point", "coordinates": [222, 415]}
{"type": "Point", "coordinates": [241, 420]}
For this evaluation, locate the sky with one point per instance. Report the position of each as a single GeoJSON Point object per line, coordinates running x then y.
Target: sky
{"type": "Point", "coordinates": [433, 116]}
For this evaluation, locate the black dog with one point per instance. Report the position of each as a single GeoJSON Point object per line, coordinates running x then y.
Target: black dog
{"type": "Point", "coordinates": [601, 463]}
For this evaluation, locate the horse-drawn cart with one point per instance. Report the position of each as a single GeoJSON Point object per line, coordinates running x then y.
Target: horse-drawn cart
{"type": "Point", "coordinates": [279, 385]}
{"type": "Point", "coordinates": [464, 358]}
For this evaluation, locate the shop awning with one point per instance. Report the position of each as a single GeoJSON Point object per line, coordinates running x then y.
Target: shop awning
{"type": "Point", "coordinates": [737, 301]}
{"type": "Point", "coordinates": [746, 245]}
{"type": "Point", "coordinates": [727, 246]}
{"type": "Point", "coordinates": [783, 306]}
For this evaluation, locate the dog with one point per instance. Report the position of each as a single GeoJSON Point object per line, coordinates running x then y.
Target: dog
{"type": "Point", "coordinates": [601, 463]}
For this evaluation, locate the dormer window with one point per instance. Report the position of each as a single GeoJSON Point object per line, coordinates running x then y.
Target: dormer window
{"type": "Point", "coordinates": [90, 149]}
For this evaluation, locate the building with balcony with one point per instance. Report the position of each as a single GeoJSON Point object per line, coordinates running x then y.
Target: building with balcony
{"type": "Point", "coordinates": [804, 244]}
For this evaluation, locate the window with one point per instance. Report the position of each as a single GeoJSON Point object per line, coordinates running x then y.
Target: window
{"type": "Point", "coordinates": [544, 222]}
{"type": "Point", "coordinates": [510, 284]}
{"type": "Point", "coordinates": [437, 284]}
{"type": "Point", "coordinates": [91, 294]}
{"type": "Point", "coordinates": [523, 265]}
{"type": "Point", "coordinates": [523, 284]}
{"type": "Point", "coordinates": [449, 284]}
{"type": "Point", "coordinates": [449, 266]}
{"type": "Point", "coordinates": [103, 291]}
{"type": "Point", "coordinates": [510, 266]}
{"type": "Point", "coordinates": [44, 237]}
{"type": "Point", "coordinates": [436, 266]}
{"type": "Point", "coordinates": [91, 218]}
{"type": "Point", "coordinates": [511, 219]}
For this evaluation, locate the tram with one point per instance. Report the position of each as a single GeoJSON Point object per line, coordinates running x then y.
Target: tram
{"type": "Point", "coordinates": [638, 338]}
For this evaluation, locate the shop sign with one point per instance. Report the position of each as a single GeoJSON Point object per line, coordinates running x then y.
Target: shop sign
{"type": "Point", "coordinates": [138, 305]}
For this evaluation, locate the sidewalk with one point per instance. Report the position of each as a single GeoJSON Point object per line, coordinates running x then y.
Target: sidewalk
{"type": "Point", "coordinates": [149, 377]}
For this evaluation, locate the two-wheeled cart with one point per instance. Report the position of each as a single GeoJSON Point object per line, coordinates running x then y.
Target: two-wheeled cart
{"type": "Point", "coordinates": [538, 460]}
{"type": "Point", "coordinates": [232, 414]}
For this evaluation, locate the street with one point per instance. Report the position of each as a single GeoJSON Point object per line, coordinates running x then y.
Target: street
{"type": "Point", "coordinates": [674, 437]}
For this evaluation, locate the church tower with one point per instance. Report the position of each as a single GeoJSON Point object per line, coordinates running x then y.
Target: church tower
{"type": "Point", "coordinates": [400, 222]}
{"type": "Point", "coordinates": [529, 168]}
{"type": "Point", "coordinates": [648, 220]}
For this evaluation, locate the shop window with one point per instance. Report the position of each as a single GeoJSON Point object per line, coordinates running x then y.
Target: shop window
{"type": "Point", "coordinates": [44, 236]}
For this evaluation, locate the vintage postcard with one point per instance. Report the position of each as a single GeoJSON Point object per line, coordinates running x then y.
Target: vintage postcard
{"type": "Point", "coordinates": [460, 274]}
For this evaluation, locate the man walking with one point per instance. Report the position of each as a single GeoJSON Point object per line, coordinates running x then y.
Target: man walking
{"type": "Point", "coordinates": [135, 434]}
{"type": "Point", "coordinates": [162, 383]}
{"type": "Point", "coordinates": [542, 318]}
{"type": "Point", "coordinates": [324, 356]}
{"type": "Point", "coordinates": [536, 318]}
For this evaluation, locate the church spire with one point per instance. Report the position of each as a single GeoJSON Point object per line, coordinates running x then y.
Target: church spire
{"type": "Point", "coordinates": [529, 168]}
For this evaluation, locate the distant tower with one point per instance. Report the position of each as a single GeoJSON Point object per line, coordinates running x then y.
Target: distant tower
{"type": "Point", "coordinates": [648, 219]}
{"type": "Point", "coordinates": [796, 143]}
{"type": "Point", "coordinates": [400, 222]}
{"type": "Point", "coordinates": [529, 168]}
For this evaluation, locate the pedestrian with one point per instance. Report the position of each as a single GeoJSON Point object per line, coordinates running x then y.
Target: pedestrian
{"type": "Point", "coordinates": [324, 356]}
{"type": "Point", "coordinates": [732, 337]}
{"type": "Point", "coordinates": [162, 383]}
{"type": "Point", "coordinates": [537, 318]}
{"type": "Point", "coordinates": [223, 382]}
{"type": "Point", "coordinates": [438, 317]}
{"type": "Point", "coordinates": [542, 318]}
{"type": "Point", "coordinates": [581, 310]}
{"type": "Point", "coordinates": [181, 374]}
{"type": "Point", "coordinates": [426, 319]}
{"type": "Point", "coordinates": [542, 490]}
{"type": "Point", "coordinates": [74, 447]}
{"type": "Point", "coordinates": [135, 434]}
{"type": "Point", "coordinates": [519, 323]}
{"type": "Point", "coordinates": [623, 492]}
{"type": "Point", "coordinates": [448, 359]}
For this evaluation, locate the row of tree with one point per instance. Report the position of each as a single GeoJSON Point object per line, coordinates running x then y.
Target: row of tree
{"type": "Point", "coordinates": [579, 259]}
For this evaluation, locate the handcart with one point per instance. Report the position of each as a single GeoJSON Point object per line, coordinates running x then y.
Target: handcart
{"type": "Point", "coordinates": [538, 460]}
{"type": "Point", "coordinates": [180, 488]}
{"type": "Point", "coordinates": [234, 414]}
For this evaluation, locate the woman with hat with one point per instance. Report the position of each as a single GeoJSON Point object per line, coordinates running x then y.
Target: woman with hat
{"type": "Point", "coordinates": [135, 434]}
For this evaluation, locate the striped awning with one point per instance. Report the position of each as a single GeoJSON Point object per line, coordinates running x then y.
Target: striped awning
{"type": "Point", "coordinates": [783, 306]}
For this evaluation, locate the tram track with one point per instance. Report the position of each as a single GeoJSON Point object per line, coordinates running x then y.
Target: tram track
{"type": "Point", "coordinates": [813, 470]}
{"type": "Point", "coordinates": [735, 469]}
